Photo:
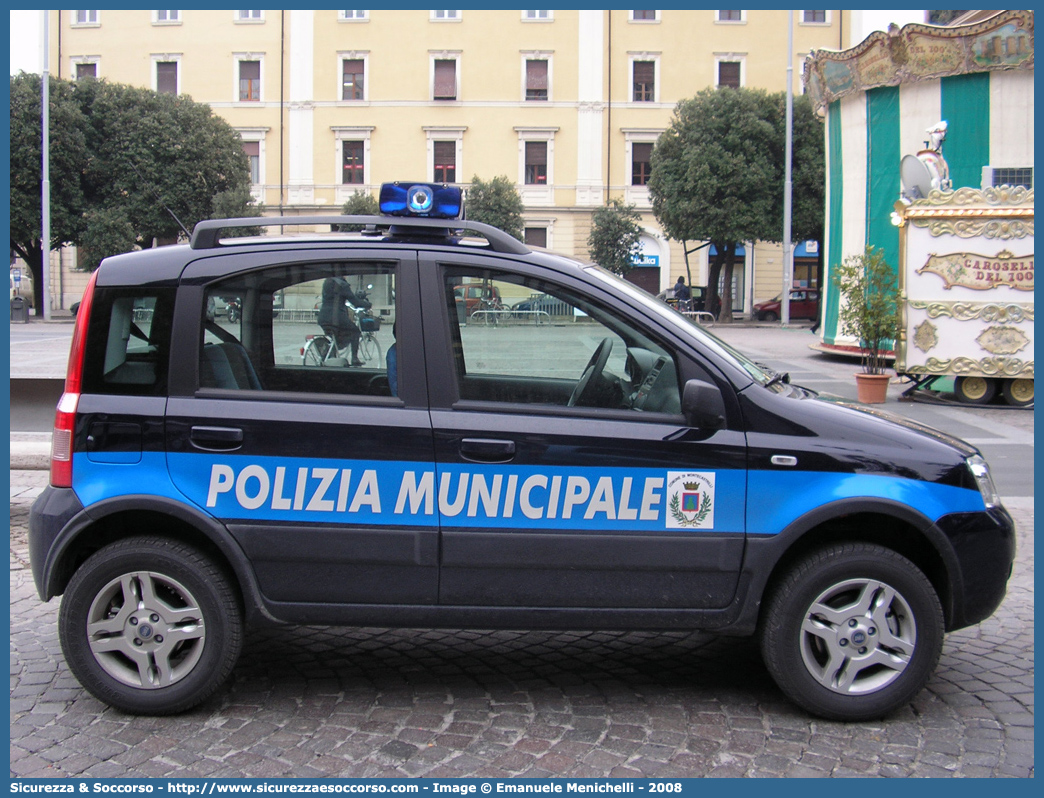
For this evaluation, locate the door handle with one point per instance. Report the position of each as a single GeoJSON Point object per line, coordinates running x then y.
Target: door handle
{"type": "Point", "coordinates": [485, 450]}
{"type": "Point", "coordinates": [216, 439]}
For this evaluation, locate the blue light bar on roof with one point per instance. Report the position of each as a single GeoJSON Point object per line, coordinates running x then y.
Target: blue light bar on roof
{"type": "Point", "coordinates": [428, 200]}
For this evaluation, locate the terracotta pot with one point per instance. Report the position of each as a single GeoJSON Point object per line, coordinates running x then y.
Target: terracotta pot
{"type": "Point", "coordinates": [872, 389]}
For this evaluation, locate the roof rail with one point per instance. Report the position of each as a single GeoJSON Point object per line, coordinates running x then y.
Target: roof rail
{"type": "Point", "coordinates": [205, 233]}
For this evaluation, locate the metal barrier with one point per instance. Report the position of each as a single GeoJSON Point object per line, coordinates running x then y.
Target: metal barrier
{"type": "Point", "coordinates": [701, 317]}
{"type": "Point", "coordinates": [499, 316]}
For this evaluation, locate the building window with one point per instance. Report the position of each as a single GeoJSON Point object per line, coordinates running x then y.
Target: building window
{"type": "Point", "coordinates": [250, 16]}
{"type": "Point", "coordinates": [444, 83]}
{"type": "Point", "coordinates": [645, 16]}
{"type": "Point", "coordinates": [536, 237]}
{"type": "Point", "coordinates": [167, 77]}
{"type": "Point", "coordinates": [352, 16]}
{"type": "Point", "coordinates": [353, 74]}
{"type": "Point", "coordinates": [353, 164]}
{"type": "Point", "coordinates": [644, 81]}
{"type": "Point", "coordinates": [536, 80]}
{"type": "Point", "coordinates": [445, 16]}
{"type": "Point", "coordinates": [1011, 176]}
{"type": "Point", "coordinates": [732, 16]}
{"type": "Point", "coordinates": [253, 154]}
{"type": "Point", "coordinates": [730, 74]}
{"type": "Point", "coordinates": [85, 18]}
{"type": "Point", "coordinates": [444, 166]}
{"type": "Point", "coordinates": [814, 18]}
{"type": "Point", "coordinates": [86, 71]}
{"type": "Point", "coordinates": [641, 163]}
{"type": "Point", "coordinates": [166, 17]}
{"type": "Point", "coordinates": [536, 163]}
{"type": "Point", "coordinates": [249, 81]}
{"type": "Point", "coordinates": [537, 16]}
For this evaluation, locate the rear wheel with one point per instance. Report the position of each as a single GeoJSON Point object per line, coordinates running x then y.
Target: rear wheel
{"type": "Point", "coordinates": [853, 632]}
{"type": "Point", "coordinates": [1018, 393]}
{"type": "Point", "coordinates": [150, 626]}
{"type": "Point", "coordinates": [974, 390]}
{"type": "Point", "coordinates": [316, 350]}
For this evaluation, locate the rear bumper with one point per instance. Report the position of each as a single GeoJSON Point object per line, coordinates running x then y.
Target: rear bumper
{"type": "Point", "coordinates": [52, 512]}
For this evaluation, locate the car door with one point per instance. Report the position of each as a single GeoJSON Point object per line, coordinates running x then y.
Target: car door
{"type": "Point", "coordinates": [301, 461]}
{"type": "Point", "coordinates": [611, 503]}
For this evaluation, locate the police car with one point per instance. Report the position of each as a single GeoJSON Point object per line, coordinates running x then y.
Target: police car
{"type": "Point", "coordinates": [599, 463]}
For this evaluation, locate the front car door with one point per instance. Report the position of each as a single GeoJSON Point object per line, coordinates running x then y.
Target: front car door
{"type": "Point", "coordinates": [301, 460]}
{"type": "Point", "coordinates": [566, 475]}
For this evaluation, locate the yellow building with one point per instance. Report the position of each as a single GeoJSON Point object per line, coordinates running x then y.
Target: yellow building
{"type": "Point", "coordinates": [565, 103]}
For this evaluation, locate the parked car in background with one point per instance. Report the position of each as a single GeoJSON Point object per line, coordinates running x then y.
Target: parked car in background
{"type": "Point", "coordinates": [804, 304]}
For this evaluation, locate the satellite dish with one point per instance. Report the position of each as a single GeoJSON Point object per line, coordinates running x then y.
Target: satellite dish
{"type": "Point", "coordinates": [916, 177]}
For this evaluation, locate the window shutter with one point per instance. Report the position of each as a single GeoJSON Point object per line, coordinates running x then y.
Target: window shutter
{"type": "Point", "coordinates": [445, 80]}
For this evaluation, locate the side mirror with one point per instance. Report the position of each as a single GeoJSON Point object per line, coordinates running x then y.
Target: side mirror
{"type": "Point", "coordinates": [703, 405]}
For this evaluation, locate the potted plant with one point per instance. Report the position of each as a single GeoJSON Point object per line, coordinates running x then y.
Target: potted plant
{"type": "Point", "coordinates": [870, 313]}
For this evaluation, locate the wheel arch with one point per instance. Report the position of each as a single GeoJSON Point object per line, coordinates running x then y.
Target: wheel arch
{"type": "Point", "coordinates": [887, 523]}
{"type": "Point", "coordinates": [130, 516]}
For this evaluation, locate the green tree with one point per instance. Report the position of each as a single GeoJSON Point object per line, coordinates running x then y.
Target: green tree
{"type": "Point", "coordinates": [121, 158]}
{"type": "Point", "coordinates": [358, 204]}
{"type": "Point", "coordinates": [68, 161]}
{"type": "Point", "coordinates": [160, 158]}
{"type": "Point", "coordinates": [496, 203]}
{"type": "Point", "coordinates": [717, 176]}
{"type": "Point", "coordinates": [614, 239]}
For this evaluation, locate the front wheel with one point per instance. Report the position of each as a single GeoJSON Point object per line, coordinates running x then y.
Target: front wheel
{"type": "Point", "coordinates": [370, 350]}
{"type": "Point", "coordinates": [150, 626]}
{"type": "Point", "coordinates": [853, 632]}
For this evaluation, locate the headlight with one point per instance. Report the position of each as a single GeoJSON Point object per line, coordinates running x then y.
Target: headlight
{"type": "Point", "coordinates": [980, 471]}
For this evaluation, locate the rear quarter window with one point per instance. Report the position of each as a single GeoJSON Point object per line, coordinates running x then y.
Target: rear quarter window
{"type": "Point", "coordinates": [128, 343]}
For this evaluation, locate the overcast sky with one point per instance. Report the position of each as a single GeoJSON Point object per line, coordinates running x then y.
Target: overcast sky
{"type": "Point", "coordinates": [27, 42]}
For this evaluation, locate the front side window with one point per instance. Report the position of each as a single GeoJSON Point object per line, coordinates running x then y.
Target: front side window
{"type": "Point", "coordinates": [530, 342]}
{"type": "Point", "coordinates": [250, 81]}
{"type": "Point", "coordinates": [315, 328]}
{"type": "Point", "coordinates": [536, 163]}
{"type": "Point", "coordinates": [352, 75]}
{"type": "Point", "coordinates": [353, 168]}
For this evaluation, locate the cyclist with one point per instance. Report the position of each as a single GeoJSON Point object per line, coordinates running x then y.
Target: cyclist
{"type": "Point", "coordinates": [334, 318]}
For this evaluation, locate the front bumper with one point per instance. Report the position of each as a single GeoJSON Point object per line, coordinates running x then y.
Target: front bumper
{"type": "Point", "coordinates": [984, 545]}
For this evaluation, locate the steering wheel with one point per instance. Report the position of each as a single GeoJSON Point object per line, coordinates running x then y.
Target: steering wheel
{"type": "Point", "coordinates": [584, 390]}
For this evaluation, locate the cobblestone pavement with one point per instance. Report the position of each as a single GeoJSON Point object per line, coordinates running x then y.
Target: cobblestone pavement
{"type": "Point", "coordinates": [378, 703]}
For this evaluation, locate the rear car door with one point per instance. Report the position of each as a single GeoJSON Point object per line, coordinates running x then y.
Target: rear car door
{"type": "Point", "coordinates": [558, 487]}
{"type": "Point", "coordinates": [300, 461]}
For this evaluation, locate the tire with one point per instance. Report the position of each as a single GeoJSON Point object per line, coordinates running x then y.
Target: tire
{"type": "Point", "coordinates": [974, 390]}
{"type": "Point", "coordinates": [370, 350]}
{"type": "Point", "coordinates": [853, 632]}
{"type": "Point", "coordinates": [769, 316]}
{"type": "Point", "coordinates": [316, 350]}
{"type": "Point", "coordinates": [1018, 393]}
{"type": "Point", "coordinates": [172, 651]}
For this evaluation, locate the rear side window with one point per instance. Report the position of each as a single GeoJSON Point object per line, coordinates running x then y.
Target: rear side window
{"type": "Point", "coordinates": [128, 344]}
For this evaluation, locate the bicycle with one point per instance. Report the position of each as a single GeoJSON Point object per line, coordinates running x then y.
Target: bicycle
{"type": "Point", "coordinates": [321, 349]}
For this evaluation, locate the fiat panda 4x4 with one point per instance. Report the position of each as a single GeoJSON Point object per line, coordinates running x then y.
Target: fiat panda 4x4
{"type": "Point", "coordinates": [593, 460]}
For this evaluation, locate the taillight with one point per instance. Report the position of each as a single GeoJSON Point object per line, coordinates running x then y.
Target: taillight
{"type": "Point", "coordinates": [65, 415]}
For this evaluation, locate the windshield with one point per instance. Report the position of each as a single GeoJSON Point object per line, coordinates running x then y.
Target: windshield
{"type": "Point", "coordinates": [708, 339]}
